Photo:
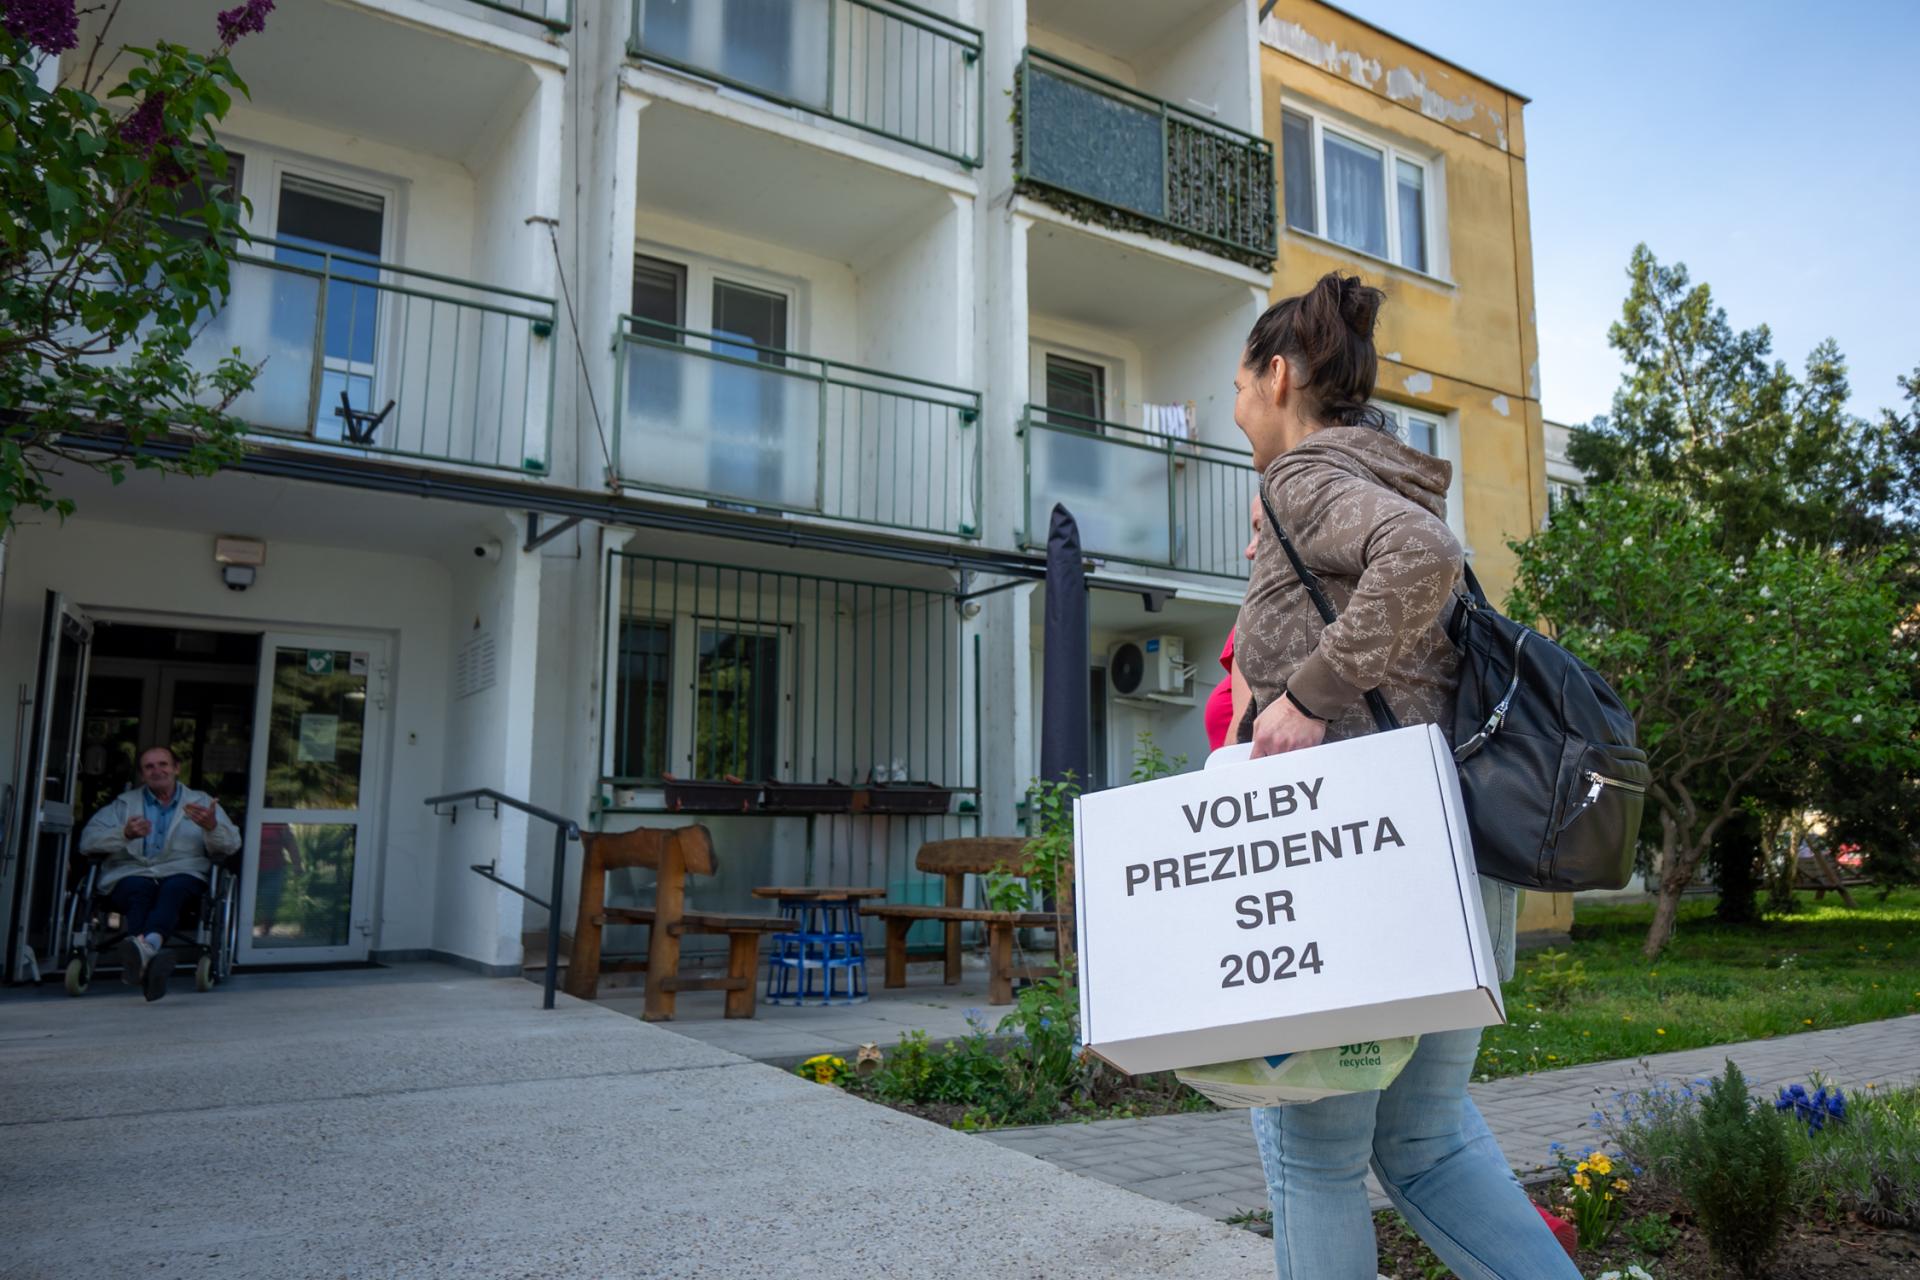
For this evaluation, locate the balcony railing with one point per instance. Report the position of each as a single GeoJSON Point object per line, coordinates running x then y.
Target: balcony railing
{"type": "Point", "coordinates": [883, 66]}
{"type": "Point", "coordinates": [430, 366]}
{"type": "Point", "coordinates": [712, 416]}
{"type": "Point", "coordinates": [1138, 495]}
{"type": "Point", "coordinates": [1081, 137]}
{"type": "Point", "coordinates": [554, 15]}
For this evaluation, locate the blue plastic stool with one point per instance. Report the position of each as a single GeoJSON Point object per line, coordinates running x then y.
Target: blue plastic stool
{"type": "Point", "coordinates": [823, 960]}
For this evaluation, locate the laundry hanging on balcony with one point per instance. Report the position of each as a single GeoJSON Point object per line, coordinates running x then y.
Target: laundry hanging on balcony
{"type": "Point", "coordinates": [1177, 420]}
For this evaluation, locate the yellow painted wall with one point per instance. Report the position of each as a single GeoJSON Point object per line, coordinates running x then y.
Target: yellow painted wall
{"type": "Point", "coordinates": [1467, 344]}
{"type": "Point", "coordinates": [1472, 335]}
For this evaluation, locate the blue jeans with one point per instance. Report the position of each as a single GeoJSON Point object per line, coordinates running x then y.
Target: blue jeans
{"type": "Point", "coordinates": [1434, 1157]}
{"type": "Point", "coordinates": [147, 905]}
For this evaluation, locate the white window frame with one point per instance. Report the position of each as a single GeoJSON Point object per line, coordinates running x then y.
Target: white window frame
{"type": "Point", "coordinates": [682, 660]}
{"type": "Point", "coordinates": [1446, 438]}
{"type": "Point", "coordinates": [1433, 186]}
{"type": "Point", "coordinates": [702, 271]}
{"type": "Point", "coordinates": [1113, 372]}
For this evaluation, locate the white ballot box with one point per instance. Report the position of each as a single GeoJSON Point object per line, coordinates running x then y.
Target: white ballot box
{"type": "Point", "coordinates": [1316, 898]}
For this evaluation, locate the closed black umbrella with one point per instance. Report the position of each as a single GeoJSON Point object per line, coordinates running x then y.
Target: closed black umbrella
{"type": "Point", "coordinates": [1064, 720]}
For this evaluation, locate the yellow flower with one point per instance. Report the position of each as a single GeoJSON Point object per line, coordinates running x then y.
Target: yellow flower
{"type": "Point", "coordinates": [1609, 1196]}
{"type": "Point", "coordinates": [1807, 1021]}
{"type": "Point", "coordinates": [1601, 1162]}
{"type": "Point", "coordinates": [1553, 1057]}
{"type": "Point", "coordinates": [1659, 1031]}
{"type": "Point", "coordinates": [1581, 1181]}
{"type": "Point", "coordinates": [1627, 1017]}
{"type": "Point", "coordinates": [1656, 973]}
{"type": "Point", "coordinates": [1586, 1033]}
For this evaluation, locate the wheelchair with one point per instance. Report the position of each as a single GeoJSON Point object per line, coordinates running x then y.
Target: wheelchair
{"type": "Point", "coordinates": [208, 929]}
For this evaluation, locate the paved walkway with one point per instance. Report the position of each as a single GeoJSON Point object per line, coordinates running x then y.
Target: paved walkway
{"type": "Point", "coordinates": [423, 1122]}
{"type": "Point", "coordinates": [1207, 1161]}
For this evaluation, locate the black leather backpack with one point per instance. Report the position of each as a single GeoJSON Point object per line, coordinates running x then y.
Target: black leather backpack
{"type": "Point", "coordinates": [1553, 783]}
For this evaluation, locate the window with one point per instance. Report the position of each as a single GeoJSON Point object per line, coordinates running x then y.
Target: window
{"type": "Point", "coordinates": [659, 294]}
{"type": "Point", "coordinates": [1432, 433]}
{"type": "Point", "coordinates": [1077, 388]}
{"type": "Point", "coordinates": [643, 680]}
{"type": "Point", "coordinates": [737, 705]}
{"type": "Point", "coordinates": [1359, 191]}
{"type": "Point", "coordinates": [317, 220]}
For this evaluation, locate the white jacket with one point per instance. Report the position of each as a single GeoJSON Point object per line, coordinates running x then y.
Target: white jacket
{"type": "Point", "coordinates": [187, 849]}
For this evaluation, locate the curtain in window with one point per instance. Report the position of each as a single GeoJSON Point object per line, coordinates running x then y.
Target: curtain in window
{"type": "Point", "coordinates": [1356, 195]}
{"type": "Point", "coordinates": [1296, 159]}
{"type": "Point", "coordinates": [1411, 189]}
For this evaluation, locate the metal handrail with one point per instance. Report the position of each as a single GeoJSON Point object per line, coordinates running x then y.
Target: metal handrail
{"type": "Point", "coordinates": [1256, 191]}
{"type": "Point", "coordinates": [969, 42]}
{"type": "Point", "coordinates": [952, 413]}
{"type": "Point", "coordinates": [1198, 475]}
{"type": "Point", "coordinates": [487, 800]}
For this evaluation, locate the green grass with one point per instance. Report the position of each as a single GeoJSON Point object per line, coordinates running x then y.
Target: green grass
{"type": "Point", "coordinates": [1823, 966]}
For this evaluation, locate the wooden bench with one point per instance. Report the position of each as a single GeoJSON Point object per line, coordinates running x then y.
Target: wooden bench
{"type": "Point", "coordinates": [954, 861]}
{"type": "Point", "coordinates": [673, 855]}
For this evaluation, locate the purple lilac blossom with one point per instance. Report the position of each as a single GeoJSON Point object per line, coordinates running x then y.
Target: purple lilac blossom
{"type": "Point", "coordinates": [244, 19]}
{"type": "Point", "coordinates": [48, 25]}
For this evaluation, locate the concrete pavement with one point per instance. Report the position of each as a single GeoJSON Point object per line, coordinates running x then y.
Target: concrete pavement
{"type": "Point", "coordinates": [418, 1121]}
{"type": "Point", "coordinates": [1207, 1161]}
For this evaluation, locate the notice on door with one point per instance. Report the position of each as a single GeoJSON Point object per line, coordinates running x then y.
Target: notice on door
{"type": "Point", "coordinates": [319, 662]}
{"type": "Point", "coordinates": [319, 738]}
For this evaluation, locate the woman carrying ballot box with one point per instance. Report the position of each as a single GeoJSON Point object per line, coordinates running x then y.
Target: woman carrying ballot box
{"type": "Point", "coordinates": [1366, 515]}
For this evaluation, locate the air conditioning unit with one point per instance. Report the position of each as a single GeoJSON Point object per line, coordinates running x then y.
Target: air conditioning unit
{"type": "Point", "coordinates": [1151, 666]}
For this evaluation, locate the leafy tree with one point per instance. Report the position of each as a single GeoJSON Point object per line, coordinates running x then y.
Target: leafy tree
{"type": "Point", "coordinates": [114, 246]}
{"type": "Point", "coordinates": [1731, 662]}
{"type": "Point", "coordinates": [1705, 410]}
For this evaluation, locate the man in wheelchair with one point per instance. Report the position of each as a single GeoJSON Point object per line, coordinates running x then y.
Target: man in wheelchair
{"type": "Point", "coordinates": [157, 843]}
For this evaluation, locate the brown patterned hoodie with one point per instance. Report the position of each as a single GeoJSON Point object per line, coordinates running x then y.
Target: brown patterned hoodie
{"type": "Point", "coordinates": [1366, 513]}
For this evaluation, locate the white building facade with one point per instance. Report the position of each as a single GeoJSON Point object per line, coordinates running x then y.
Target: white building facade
{"type": "Point", "coordinates": [660, 393]}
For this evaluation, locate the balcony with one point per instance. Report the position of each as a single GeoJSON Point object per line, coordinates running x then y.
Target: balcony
{"type": "Point", "coordinates": [1138, 496]}
{"type": "Point", "coordinates": [1113, 156]}
{"type": "Point", "coordinates": [554, 15]}
{"type": "Point", "coordinates": [376, 359]}
{"type": "Point", "coordinates": [713, 416]}
{"type": "Point", "coordinates": [885, 67]}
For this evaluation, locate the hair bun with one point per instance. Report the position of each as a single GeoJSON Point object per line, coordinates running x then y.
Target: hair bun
{"type": "Point", "coordinates": [1360, 303]}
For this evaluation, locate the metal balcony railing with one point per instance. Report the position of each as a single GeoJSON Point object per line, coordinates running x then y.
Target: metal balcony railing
{"type": "Point", "coordinates": [554, 15]}
{"type": "Point", "coordinates": [1083, 137]}
{"type": "Point", "coordinates": [712, 416]}
{"type": "Point", "coordinates": [887, 67]}
{"type": "Point", "coordinates": [431, 367]}
{"type": "Point", "coordinates": [1138, 495]}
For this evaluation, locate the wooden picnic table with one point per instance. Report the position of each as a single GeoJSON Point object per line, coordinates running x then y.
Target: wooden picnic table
{"type": "Point", "coordinates": [819, 892]}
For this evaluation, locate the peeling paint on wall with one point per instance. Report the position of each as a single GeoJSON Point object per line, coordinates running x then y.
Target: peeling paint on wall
{"type": "Point", "coordinates": [1402, 84]}
{"type": "Point", "coordinates": [1393, 356]}
{"type": "Point", "coordinates": [1500, 406]}
{"type": "Point", "coordinates": [1533, 380]}
{"type": "Point", "coordinates": [1292, 38]}
{"type": "Point", "coordinates": [1418, 383]}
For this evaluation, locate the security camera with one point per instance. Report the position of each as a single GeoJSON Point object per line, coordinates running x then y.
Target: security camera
{"type": "Point", "coordinates": [238, 577]}
{"type": "Point", "coordinates": [488, 550]}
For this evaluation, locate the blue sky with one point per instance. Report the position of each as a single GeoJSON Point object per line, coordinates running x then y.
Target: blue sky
{"type": "Point", "coordinates": [1774, 148]}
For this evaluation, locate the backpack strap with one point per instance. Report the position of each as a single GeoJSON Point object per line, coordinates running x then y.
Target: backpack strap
{"type": "Point", "coordinates": [1383, 717]}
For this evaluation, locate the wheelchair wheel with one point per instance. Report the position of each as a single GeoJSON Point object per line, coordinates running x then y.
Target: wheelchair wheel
{"type": "Point", "coordinates": [79, 975]}
{"type": "Point", "coordinates": [203, 978]}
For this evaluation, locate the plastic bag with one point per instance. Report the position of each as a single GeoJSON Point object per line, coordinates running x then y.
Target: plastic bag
{"type": "Point", "coordinates": [1307, 1076]}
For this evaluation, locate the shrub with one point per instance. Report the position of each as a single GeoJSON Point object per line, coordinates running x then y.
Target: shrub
{"type": "Point", "coordinates": [1554, 978]}
{"type": "Point", "coordinates": [1738, 1173]}
{"type": "Point", "coordinates": [1650, 1128]}
{"type": "Point", "coordinates": [1650, 1235]}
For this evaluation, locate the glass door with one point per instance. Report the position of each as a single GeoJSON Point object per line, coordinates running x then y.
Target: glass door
{"type": "Point", "coordinates": [311, 828]}
{"type": "Point", "coordinates": [48, 823]}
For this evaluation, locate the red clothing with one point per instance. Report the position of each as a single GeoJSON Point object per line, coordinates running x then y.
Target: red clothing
{"type": "Point", "coordinates": [1219, 713]}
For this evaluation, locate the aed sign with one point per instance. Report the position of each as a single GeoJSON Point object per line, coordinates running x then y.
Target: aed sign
{"type": "Point", "coordinates": [1305, 900]}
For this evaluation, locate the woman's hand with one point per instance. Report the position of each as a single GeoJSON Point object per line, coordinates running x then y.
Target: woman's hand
{"type": "Point", "coordinates": [1283, 727]}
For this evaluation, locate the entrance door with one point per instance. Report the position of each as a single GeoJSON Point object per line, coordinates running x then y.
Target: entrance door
{"type": "Point", "coordinates": [47, 827]}
{"type": "Point", "coordinates": [310, 817]}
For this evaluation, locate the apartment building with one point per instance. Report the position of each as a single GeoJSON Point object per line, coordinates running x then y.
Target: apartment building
{"type": "Point", "coordinates": [673, 391]}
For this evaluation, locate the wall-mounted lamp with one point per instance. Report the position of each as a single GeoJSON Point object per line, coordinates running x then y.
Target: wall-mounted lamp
{"type": "Point", "coordinates": [239, 560]}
